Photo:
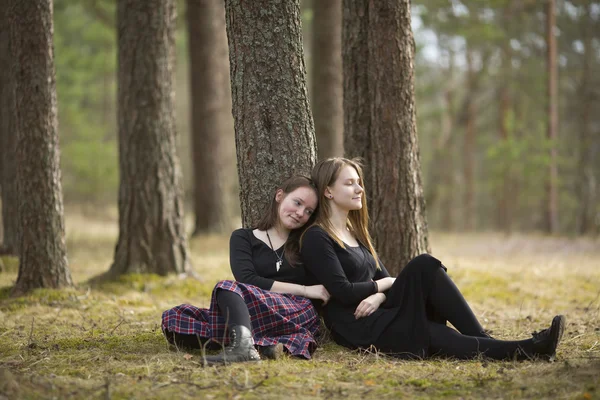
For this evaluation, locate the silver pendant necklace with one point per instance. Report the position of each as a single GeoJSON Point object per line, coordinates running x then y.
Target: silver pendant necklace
{"type": "Point", "coordinates": [279, 258]}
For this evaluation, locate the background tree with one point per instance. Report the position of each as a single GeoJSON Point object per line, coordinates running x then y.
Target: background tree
{"type": "Point", "coordinates": [212, 123]}
{"type": "Point", "coordinates": [273, 124]}
{"type": "Point", "coordinates": [326, 85]}
{"type": "Point", "coordinates": [378, 36]}
{"type": "Point", "coordinates": [41, 232]}
{"type": "Point", "coordinates": [151, 228]}
{"type": "Point", "coordinates": [551, 222]}
{"type": "Point", "coordinates": [8, 190]}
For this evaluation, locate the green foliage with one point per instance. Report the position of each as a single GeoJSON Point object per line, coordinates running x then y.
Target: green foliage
{"type": "Point", "coordinates": [85, 59]}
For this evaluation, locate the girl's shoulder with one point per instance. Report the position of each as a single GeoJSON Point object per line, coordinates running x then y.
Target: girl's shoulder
{"type": "Point", "coordinates": [316, 232]}
{"type": "Point", "coordinates": [243, 234]}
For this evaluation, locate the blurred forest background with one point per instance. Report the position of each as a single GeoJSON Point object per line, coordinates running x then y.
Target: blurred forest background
{"type": "Point", "coordinates": [482, 111]}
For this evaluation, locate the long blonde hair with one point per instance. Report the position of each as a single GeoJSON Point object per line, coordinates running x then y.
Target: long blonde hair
{"type": "Point", "coordinates": [324, 174]}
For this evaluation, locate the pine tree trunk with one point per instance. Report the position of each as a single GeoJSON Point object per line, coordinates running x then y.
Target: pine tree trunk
{"type": "Point", "coordinates": [41, 233]}
{"type": "Point", "coordinates": [585, 187]}
{"type": "Point", "coordinates": [503, 215]}
{"type": "Point", "coordinates": [356, 104]}
{"type": "Point", "coordinates": [326, 90]}
{"type": "Point", "coordinates": [552, 69]}
{"type": "Point", "coordinates": [388, 131]}
{"type": "Point", "coordinates": [469, 146]}
{"type": "Point", "coordinates": [273, 124]}
{"type": "Point", "coordinates": [151, 226]}
{"type": "Point", "coordinates": [8, 189]}
{"type": "Point", "coordinates": [212, 123]}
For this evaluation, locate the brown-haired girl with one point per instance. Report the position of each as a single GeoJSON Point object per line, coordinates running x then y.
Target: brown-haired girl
{"type": "Point", "coordinates": [404, 316]}
{"type": "Point", "coordinates": [268, 304]}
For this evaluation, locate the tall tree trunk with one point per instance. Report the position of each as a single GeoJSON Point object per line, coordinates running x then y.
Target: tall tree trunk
{"type": "Point", "coordinates": [356, 104]}
{"type": "Point", "coordinates": [326, 93]}
{"type": "Point", "coordinates": [503, 217]}
{"type": "Point", "coordinates": [393, 167]}
{"type": "Point", "coordinates": [41, 231]}
{"type": "Point", "coordinates": [212, 123]}
{"type": "Point", "coordinates": [274, 129]}
{"type": "Point", "coordinates": [440, 192]}
{"type": "Point", "coordinates": [469, 145]}
{"type": "Point", "coordinates": [446, 152]}
{"type": "Point", "coordinates": [552, 180]}
{"type": "Point", "coordinates": [586, 179]}
{"type": "Point", "coordinates": [151, 226]}
{"type": "Point", "coordinates": [8, 189]}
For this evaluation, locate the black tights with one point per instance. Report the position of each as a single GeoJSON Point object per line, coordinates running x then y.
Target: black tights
{"type": "Point", "coordinates": [448, 303]}
{"type": "Point", "coordinates": [233, 308]}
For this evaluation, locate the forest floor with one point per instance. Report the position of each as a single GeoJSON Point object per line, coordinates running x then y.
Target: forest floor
{"type": "Point", "coordinates": [104, 341]}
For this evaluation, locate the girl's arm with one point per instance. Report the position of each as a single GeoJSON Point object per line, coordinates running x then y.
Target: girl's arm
{"type": "Point", "coordinates": [319, 257]}
{"type": "Point", "coordinates": [383, 279]}
{"type": "Point", "coordinates": [240, 260]}
{"type": "Point", "coordinates": [317, 292]}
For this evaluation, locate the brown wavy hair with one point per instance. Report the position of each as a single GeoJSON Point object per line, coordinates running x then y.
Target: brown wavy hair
{"type": "Point", "coordinates": [324, 174]}
{"type": "Point", "coordinates": [270, 216]}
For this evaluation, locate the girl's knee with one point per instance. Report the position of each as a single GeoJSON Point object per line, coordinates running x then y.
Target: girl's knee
{"type": "Point", "coordinates": [424, 260]}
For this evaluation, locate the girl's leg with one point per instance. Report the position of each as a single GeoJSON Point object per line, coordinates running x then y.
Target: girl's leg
{"type": "Point", "coordinates": [447, 301]}
{"type": "Point", "coordinates": [233, 309]}
{"type": "Point", "coordinates": [445, 341]}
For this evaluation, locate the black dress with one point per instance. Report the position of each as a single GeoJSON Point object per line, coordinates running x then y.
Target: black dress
{"type": "Point", "coordinates": [400, 325]}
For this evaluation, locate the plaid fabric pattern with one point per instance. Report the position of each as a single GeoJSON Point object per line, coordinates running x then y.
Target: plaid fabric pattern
{"type": "Point", "coordinates": [276, 318]}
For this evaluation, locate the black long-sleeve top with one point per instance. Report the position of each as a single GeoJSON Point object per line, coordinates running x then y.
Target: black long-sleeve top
{"type": "Point", "coordinates": [347, 273]}
{"type": "Point", "coordinates": [254, 262]}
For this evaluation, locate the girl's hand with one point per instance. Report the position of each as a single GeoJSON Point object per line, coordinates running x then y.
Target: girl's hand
{"type": "Point", "coordinates": [369, 305]}
{"type": "Point", "coordinates": [317, 292]}
{"type": "Point", "coordinates": [384, 284]}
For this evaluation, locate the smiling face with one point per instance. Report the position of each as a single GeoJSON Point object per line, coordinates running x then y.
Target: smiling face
{"type": "Point", "coordinates": [346, 192]}
{"type": "Point", "coordinates": [296, 207]}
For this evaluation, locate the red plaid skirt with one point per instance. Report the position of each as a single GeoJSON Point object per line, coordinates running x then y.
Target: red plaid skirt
{"type": "Point", "coordinates": [276, 318]}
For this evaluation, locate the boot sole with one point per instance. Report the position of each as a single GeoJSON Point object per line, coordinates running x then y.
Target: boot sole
{"type": "Point", "coordinates": [558, 328]}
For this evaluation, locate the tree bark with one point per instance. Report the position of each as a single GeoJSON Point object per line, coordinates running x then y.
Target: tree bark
{"type": "Point", "coordinates": [356, 103]}
{"type": "Point", "coordinates": [41, 231]}
{"type": "Point", "coordinates": [273, 124]}
{"type": "Point", "coordinates": [552, 70]}
{"type": "Point", "coordinates": [212, 122]}
{"type": "Point", "coordinates": [327, 89]}
{"type": "Point", "coordinates": [151, 226]}
{"type": "Point", "coordinates": [378, 36]}
{"type": "Point", "coordinates": [8, 189]}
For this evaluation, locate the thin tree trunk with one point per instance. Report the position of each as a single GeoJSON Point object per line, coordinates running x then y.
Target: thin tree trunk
{"type": "Point", "coordinates": [393, 165]}
{"type": "Point", "coordinates": [212, 122]}
{"type": "Point", "coordinates": [585, 166]}
{"type": "Point", "coordinates": [151, 226]}
{"type": "Point", "coordinates": [41, 231]}
{"type": "Point", "coordinates": [440, 192]}
{"type": "Point", "coordinates": [273, 124]}
{"type": "Point", "coordinates": [8, 189]}
{"type": "Point", "coordinates": [469, 145]}
{"type": "Point", "coordinates": [326, 93]}
{"type": "Point", "coordinates": [552, 181]}
{"type": "Point", "coordinates": [503, 217]}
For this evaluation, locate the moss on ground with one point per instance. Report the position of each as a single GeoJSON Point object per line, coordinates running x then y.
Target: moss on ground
{"type": "Point", "coordinates": [103, 340]}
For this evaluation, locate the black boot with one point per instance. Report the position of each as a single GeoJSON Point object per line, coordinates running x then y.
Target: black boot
{"type": "Point", "coordinates": [240, 348]}
{"type": "Point", "coordinates": [273, 352]}
{"type": "Point", "coordinates": [546, 341]}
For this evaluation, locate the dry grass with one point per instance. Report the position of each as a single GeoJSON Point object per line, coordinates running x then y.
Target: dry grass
{"type": "Point", "coordinates": [105, 341]}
